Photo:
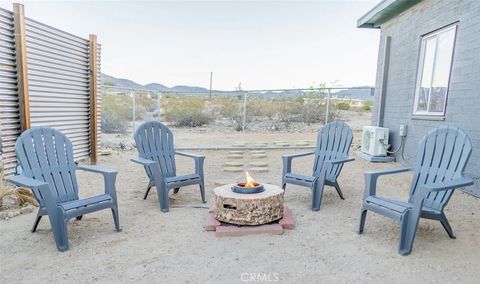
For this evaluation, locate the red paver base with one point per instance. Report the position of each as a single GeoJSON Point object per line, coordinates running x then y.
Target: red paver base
{"type": "Point", "coordinates": [287, 220]}
{"type": "Point", "coordinates": [234, 231]}
{"type": "Point", "coordinates": [225, 229]}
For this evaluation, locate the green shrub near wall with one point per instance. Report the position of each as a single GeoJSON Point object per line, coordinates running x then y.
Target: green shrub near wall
{"type": "Point", "coordinates": [343, 106]}
{"type": "Point", "coordinates": [367, 106]}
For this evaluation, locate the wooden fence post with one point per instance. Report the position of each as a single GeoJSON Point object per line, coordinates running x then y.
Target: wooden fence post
{"type": "Point", "coordinates": [21, 57]}
{"type": "Point", "coordinates": [93, 100]}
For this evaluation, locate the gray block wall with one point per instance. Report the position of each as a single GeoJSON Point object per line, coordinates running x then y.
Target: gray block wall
{"type": "Point", "coordinates": [463, 103]}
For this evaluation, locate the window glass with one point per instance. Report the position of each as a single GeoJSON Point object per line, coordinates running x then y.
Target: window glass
{"type": "Point", "coordinates": [434, 72]}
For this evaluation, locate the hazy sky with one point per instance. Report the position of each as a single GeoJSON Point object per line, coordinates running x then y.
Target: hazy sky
{"type": "Point", "coordinates": [263, 45]}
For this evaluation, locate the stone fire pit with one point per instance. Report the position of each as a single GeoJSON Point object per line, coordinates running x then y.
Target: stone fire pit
{"type": "Point", "coordinates": [248, 209]}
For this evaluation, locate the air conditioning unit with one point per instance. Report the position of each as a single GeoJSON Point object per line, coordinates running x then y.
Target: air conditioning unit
{"type": "Point", "coordinates": [374, 141]}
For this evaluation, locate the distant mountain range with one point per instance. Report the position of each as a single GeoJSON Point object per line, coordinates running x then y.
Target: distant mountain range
{"type": "Point", "coordinates": [362, 93]}
{"type": "Point", "coordinates": [125, 83]}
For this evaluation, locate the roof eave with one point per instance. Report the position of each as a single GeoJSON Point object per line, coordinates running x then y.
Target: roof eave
{"type": "Point", "coordinates": [384, 11]}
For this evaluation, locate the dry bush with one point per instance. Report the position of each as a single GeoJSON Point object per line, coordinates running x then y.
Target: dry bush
{"type": "Point", "coordinates": [144, 103]}
{"type": "Point", "coordinates": [21, 195]}
{"type": "Point", "coordinates": [186, 112]}
{"type": "Point", "coordinates": [116, 111]}
{"type": "Point", "coordinates": [232, 110]}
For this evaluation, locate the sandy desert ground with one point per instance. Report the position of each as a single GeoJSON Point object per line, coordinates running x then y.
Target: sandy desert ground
{"type": "Point", "coordinates": [155, 247]}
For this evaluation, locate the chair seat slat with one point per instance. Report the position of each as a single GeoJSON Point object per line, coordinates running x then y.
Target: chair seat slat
{"type": "Point", "coordinates": [70, 205]}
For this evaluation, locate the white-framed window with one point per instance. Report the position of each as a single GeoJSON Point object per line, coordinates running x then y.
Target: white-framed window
{"type": "Point", "coordinates": [434, 69]}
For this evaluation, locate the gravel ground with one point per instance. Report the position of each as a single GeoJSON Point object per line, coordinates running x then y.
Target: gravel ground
{"type": "Point", "coordinates": [174, 248]}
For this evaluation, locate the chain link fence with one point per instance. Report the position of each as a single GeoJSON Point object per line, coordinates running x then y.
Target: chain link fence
{"type": "Point", "coordinates": [236, 111]}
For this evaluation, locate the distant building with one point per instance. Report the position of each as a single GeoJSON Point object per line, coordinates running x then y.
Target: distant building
{"type": "Point", "coordinates": [428, 70]}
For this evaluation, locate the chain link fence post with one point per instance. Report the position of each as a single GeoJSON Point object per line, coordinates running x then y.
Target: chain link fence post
{"type": "Point", "coordinates": [158, 105]}
{"type": "Point", "coordinates": [134, 116]}
{"type": "Point", "coordinates": [327, 110]}
{"type": "Point", "coordinates": [244, 110]}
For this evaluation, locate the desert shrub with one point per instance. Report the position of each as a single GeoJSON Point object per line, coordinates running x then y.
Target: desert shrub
{"type": "Point", "coordinates": [343, 106]}
{"type": "Point", "coordinates": [111, 123]}
{"type": "Point", "coordinates": [144, 103]}
{"type": "Point", "coordinates": [312, 112]}
{"type": "Point", "coordinates": [289, 110]}
{"type": "Point", "coordinates": [116, 110]}
{"type": "Point", "coordinates": [232, 110]}
{"type": "Point", "coordinates": [367, 106]}
{"type": "Point", "coordinates": [187, 112]}
{"type": "Point", "coordinates": [333, 114]}
{"type": "Point", "coordinates": [261, 107]}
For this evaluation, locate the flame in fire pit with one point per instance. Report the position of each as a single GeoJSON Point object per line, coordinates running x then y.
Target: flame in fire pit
{"type": "Point", "coordinates": [250, 181]}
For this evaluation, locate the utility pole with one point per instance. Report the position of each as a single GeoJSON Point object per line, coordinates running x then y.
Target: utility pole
{"type": "Point", "coordinates": [134, 116]}
{"type": "Point", "coordinates": [210, 93]}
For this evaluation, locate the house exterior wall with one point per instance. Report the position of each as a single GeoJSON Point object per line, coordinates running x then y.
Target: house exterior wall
{"type": "Point", "coordinates": [463, 103]}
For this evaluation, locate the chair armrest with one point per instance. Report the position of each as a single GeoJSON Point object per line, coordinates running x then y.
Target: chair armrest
{"type": "Point", "coordinates": [340, 161]}
{"type": "Point", "coordinates": [40, 189]}
{"type": "Point", "coordinates": [371, 178]}
{"type": "Point", "coordinates": [24, 181]}
{"type": "Point", "coordinates": [189, 155]}
{"type": "Point", "coordinates": [390, 171]}
{"type": "Point", "coordinates": [290, 157]}
{"type": "Point", "coordinates": [287, 161]}
{"type": "Point", "coordinates": [109, 178]}
{"type": "Point", "coordinates": [199, 160]}
{"type": "Point", "coordinates": [447, 185]}
{"type": "Point", "coordinates": [97, 169]}
{"type": "Point", "coordinates": [142, 161]}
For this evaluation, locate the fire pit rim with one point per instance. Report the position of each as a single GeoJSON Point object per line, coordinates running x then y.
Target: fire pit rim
{"type": "Point", "coordinates": [238, 188]}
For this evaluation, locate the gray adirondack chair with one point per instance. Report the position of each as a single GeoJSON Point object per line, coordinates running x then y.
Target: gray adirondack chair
{"type": "Point", "coordinates": [333, 143]}
{"type": "Point", "coordinates": [441, 158]}
{"type": "Point", "coordinates": [154, 142]}
{"type": "Point", "coordinates": [48, 169]}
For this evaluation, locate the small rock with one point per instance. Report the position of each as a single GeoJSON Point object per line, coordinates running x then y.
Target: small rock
{"type": "Point", "coordinates": [106, 152]}
{"type": "Point", "coordinates": [10, 201]}
{"type": "Point", "coordinates": [26, 209]}
{"type": "Point", "coordinates": [123, 146]}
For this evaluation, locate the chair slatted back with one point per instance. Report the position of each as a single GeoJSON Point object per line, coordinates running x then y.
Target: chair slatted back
{"type": "Point", "coordinates": [155, 142]}
{"type": "Point", "coordinates": [333, 142]}
{"type": "Point", "coordinates": [442, 155]}
{"type": "Point", "coordinates": [46, 154]}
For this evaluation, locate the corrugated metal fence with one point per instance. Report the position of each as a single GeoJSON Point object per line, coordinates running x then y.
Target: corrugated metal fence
{"type": "Point", "coordinates": [9, 113]}
{"type": "Point", "coordinates": [58, 68]}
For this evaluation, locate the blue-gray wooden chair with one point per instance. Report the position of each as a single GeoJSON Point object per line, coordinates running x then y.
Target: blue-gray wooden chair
{"type": "Point", "coordinates": [48, 169]}
{"type": "Point", "coordinates": [154, 142]}
{"type": "Point", "coordinates": [441, 158]}
{"type": "Point", "coordinates": [333, 143]}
